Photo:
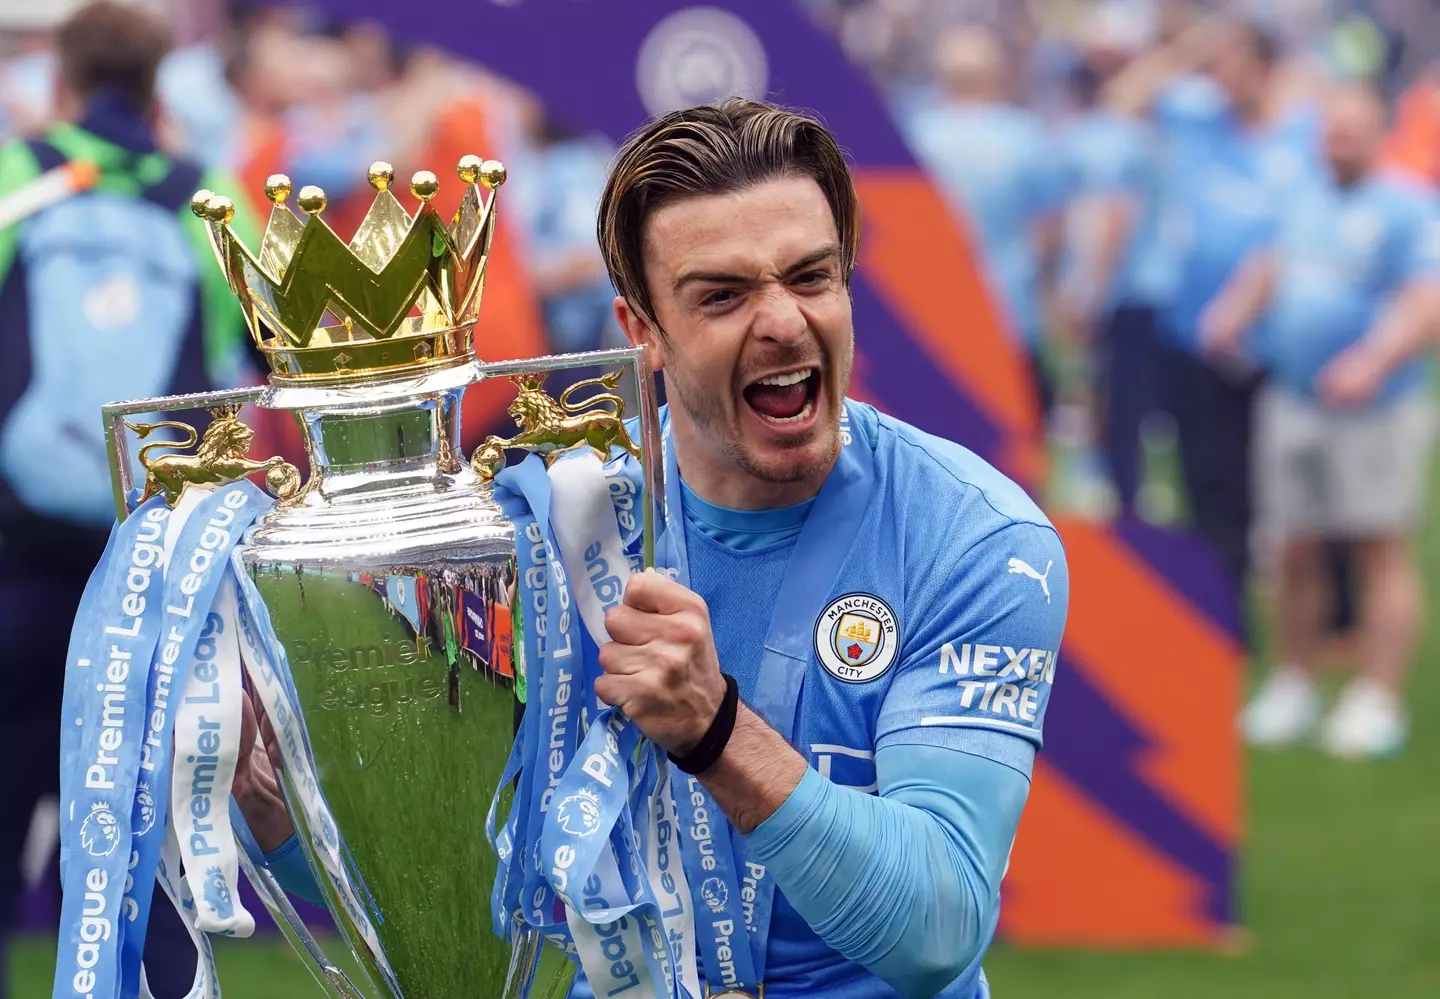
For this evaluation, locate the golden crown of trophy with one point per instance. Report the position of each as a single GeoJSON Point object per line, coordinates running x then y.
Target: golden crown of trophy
{"type": "Point", "coordinates": [365, 566]}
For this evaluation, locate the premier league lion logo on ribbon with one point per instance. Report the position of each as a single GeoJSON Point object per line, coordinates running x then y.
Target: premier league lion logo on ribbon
{"type": "Point", "coordinates": [145, 815]}
{"type": "Point", "coordinates": [100, 833]}
{"type": "Point", "coordinates": [217, 893]}
{"type": "Point", "coordinates": [715, 894]}
{"type": "Point", "coordinates": [579, 814]}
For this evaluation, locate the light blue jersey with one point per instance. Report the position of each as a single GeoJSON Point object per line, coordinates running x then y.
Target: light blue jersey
{"type": "Point", "coordinates": [970, 576]}
{"type": "Point", "coordinates": [996, 165]}
{"type": "Point", "coordinates": [1222, 190]}
{"type": "Point", "coordinates": [1343, 254]}
{"type": "Point", "coordinates": [922, 704]}
{"type": "Point", "coordinates": [1108, 155]}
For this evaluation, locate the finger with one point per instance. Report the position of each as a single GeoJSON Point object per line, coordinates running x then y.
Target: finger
{"type": "Point", "coordinates": [619, 659]}
{"type": "Point", "coordinates": [249, 730]}
{"type": "Point", "coordinates": [657, 593]}
{"type": "Point", "coordinates": [623, 692]}
{"type": "Point", "coordinates": [630, 626]}
{"type": "Point", "coordinates": [272, 744]}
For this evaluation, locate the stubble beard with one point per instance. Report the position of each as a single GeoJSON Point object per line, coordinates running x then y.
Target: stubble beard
{"type": "Point", "coordinates": [707, 413]}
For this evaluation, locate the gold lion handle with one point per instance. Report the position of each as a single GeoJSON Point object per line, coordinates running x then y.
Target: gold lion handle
{"type": "Point", "coordinates": [220, 457]}
{"type": "Point", "coordinates": [551, 427]}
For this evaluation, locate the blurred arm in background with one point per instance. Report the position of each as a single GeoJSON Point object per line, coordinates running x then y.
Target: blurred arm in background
{"type": "Point", "coordinates": [1405, 328]}
{"type": "Point", "coordinates": [1238, 305]}
{"type": "Point", "coordinates": [1133, 91]}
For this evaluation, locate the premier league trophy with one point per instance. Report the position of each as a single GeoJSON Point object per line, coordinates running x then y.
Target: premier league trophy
{"type": "Point", "coordinates": [377, 597]}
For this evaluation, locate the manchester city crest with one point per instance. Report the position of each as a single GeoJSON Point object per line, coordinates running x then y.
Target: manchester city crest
{"type": "Point", "coordinates": [856, 638]}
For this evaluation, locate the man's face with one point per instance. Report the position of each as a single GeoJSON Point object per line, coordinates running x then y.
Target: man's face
{"type": "Point", "coordinates": [1354, 127]}
{"type": "Point", "coordinates": [749, 290]}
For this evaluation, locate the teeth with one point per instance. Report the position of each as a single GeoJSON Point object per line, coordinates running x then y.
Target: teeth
{"type": "Point", "coordinates": [799, 417]}
{"type": "Point", "coordinates": [783, 380]}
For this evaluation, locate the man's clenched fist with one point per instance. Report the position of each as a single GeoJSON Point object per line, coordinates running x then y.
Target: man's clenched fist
{"type": "Point", "coordinates": [661, 668]}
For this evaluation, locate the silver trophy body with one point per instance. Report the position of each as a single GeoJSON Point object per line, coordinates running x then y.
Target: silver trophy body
{"type": "Point", "coordinates": [388, 577]}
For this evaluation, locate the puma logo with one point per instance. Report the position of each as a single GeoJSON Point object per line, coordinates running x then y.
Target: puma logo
{"type": "Point", "coordinates": [1019, 567]}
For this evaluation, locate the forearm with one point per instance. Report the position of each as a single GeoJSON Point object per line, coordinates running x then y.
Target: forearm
{"type": "Point", "coordinates": [1246, 295]}
{"type": "Point", "coordinates": [755, 774]}
{"type": "Point", "coordinates": [1407, 326]}
{"type": "Point", "coordinates": [907, 884]}
{"type": "Point", "coordinates": [1134, 89]}
{"type": "Point", "coordinates": [1117, 223]}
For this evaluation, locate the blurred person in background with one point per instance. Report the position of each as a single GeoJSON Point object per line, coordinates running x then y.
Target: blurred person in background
{"type": "Point", "coordinates": [27, 74]}
{"type": "Point", "coordinates": [994, 162]}
{"type": "Point", "coordinates": [557, 189]}
{"type": "Point", "coordinates": [1114, 276]}
{"type": "Point", "coordinates": [109, 294]}
{"type": "Point", "coordinates": [1237, 142]}
{"type": "Point", "coordinates": [1352, 288]}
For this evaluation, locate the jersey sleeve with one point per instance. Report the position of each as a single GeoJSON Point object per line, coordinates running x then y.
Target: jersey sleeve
{"type": "Point", "coordinates": [1420, 253]}
{"type": "Point", "coordinates": [978, 664]}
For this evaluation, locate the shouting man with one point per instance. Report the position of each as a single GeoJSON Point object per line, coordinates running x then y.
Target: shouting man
{"type": "Point", "coordinates": [887, 606]}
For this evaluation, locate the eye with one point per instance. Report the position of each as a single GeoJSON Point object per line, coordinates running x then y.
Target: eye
{"type": "Point", "coordinates": [812, 279]}
{"type": "Point", "coordinates": [719, 298]}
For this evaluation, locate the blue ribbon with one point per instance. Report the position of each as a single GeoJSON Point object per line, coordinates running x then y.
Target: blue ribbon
{"type": "Point", "coordinates": [188, 597]}
{"type": "Point", "coordinates": [131, 645]}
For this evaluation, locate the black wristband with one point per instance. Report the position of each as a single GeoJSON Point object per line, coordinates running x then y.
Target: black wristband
{"type": "Point", "coordinates": [712, 743]}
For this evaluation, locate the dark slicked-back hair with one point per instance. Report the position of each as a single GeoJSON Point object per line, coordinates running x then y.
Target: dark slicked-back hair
{"type": "Point", "coordinates": [715, 149]}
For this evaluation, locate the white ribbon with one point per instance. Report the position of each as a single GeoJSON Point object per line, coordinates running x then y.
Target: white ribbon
{"type": "Point", "coordinates": [587, 511]}
{"type": "Point", "coordinates": [207, 747]}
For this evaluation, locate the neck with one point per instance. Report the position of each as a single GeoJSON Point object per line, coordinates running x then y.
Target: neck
{"type": "Point", "coordinates": [718, 480]}
{"type": "Point", "coordinates": [1349, 174]}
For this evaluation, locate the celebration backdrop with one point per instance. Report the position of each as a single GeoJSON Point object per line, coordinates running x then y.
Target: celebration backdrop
{"type": "Point", "coordinates": [1132, 830]}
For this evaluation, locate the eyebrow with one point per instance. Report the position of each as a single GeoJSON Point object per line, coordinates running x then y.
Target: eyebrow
{"type": "Point", "coordinates": [720, 277]}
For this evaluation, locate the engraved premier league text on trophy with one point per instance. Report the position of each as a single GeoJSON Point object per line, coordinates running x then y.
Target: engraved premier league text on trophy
{"type": "Point", "coordinates": [420, 631]}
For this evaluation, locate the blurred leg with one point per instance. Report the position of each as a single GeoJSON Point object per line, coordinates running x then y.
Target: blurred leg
{"type": "Point", "coordinates": [1378, 461]}
{"type": "Point", "coordinates": [1392, 602]}
{"type": "Point", "coordinates": [1128, 369]}
{"type": "Point", "coordinates": [1301, 600]}
{"type": "Point", "coordinates": [1214, 421]}
{"type": "Point", "coordinates": [1290, 498]}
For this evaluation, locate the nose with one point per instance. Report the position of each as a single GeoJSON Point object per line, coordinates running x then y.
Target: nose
{"type": "Point", "coordinates": [778, 316]}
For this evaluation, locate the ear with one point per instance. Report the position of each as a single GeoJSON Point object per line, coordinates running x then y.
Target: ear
{"type": "Point", "coordinates": [639, 332]}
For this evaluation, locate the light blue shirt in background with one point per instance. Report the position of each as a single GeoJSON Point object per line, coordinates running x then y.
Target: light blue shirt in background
{"type": "Point", "coordinates": [1222, 189]}
{"type": "Point", "coordinates": [1343, 255]}
{"type": "Point", "coordinates": [998, 167]}
{"type": "Point", "coordinates": [1109, 156]}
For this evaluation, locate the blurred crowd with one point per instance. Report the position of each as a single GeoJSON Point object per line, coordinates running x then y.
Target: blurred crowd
{"type": "Point", "coordinates": [1209, 226]}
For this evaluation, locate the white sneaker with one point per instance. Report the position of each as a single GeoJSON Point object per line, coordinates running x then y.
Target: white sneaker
{"type": "Point", "coordinates": [1283, 710]}
{"type": "Point", "coordinates": [1367, 720]}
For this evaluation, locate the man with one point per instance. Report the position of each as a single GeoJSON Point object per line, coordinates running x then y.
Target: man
{"type": "Point", "coordinates": [1115, 276]}
{"type": "Point", "coordinates": [111, 294]}
{"type": "Point", "coordinates": [1352, 285]}
{"type": "Point", "coordinates": [994, 162]}
{"type": "Point", "coordinates": [1236, 142]}
{"type": "Point", "coordinates": [731, 233]}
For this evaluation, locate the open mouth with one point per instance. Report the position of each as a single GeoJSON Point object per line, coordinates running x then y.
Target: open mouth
{"type": "Point", "coordinates": [785, 399]}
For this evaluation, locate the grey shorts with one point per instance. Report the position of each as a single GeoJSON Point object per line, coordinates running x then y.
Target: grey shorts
{"type": "Point", "coordinates": [1342, 473]}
